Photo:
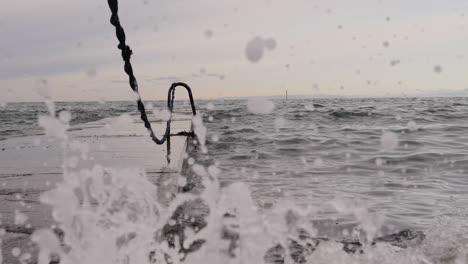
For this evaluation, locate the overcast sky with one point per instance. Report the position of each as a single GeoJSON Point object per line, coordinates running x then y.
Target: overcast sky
{"type": "Point", "coordinates": [334, 47]}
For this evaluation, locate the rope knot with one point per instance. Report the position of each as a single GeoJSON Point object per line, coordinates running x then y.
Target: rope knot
{"type": "Point", "coordinates": [126, 51]}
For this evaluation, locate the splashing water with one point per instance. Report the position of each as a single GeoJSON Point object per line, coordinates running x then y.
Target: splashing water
{"type": "Point", "coordinates": [105, 215]}
{"type": "Point", "coordinates": [109, 215]}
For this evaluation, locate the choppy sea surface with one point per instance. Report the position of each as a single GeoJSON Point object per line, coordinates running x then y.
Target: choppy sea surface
{"type": "Point", "coordinates": [332, 156]}
{"type": "Point", "coordinates": [314, 151]}
{"type": "Point", "coordinates": [20, 119]}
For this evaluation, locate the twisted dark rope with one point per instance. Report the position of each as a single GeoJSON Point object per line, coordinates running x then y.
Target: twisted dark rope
{"type": "Point", "coordinates": [126, 54]}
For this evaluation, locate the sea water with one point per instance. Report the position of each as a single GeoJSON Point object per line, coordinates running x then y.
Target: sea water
{"type": "Point", "coordinates": [327, 169]}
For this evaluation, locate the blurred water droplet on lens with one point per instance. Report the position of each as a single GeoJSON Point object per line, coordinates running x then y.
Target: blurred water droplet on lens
{"type": "Point", "coordinates": [389, 140]}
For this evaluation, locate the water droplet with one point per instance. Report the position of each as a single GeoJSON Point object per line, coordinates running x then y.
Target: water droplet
{"type": "Point", "coordinates": [210, 106]}
{"type": "Point", "coordinates": [208, 34]}
{"type": "Point", "coordinates": [412, 126]}
{"type": "Point", "coordinates": [254, 49]}
{"type": "Point", "coordinates": [92, 72]}
{"type": "Point", "coordinates": [389, 140]}
{"type": "Point", "coordinates": [15, 252]}
{"type": "Point", "coordinates": [379, 162]}
{"type": "Point", "coordinates": [20, 218]}
{"type": "Point", "coordinates": [191, 161]}
{"type": "Point", "coordinates": [43, 89]}
{"type": "Point", "coordinates": [318, 162]}
{"type": "Point", "coordinates": [309, 107]}
{"type": "Point", "coordinates": [270, 43]}
{"type": "Point", "coordinates": [279, 123]}
{"type": "Point", "coordinates": [259, 105]}
{"type": "Point", "coordinates": [65, 116]}
{"type": "Point", "coordinates": [394, 62]}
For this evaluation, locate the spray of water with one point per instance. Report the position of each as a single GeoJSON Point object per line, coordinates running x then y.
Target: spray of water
{"type": "Point", "coordinates": [109, 215]}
